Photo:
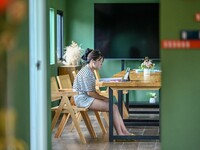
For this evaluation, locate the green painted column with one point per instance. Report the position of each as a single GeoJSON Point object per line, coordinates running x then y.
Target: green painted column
{"type": "Point", "coordinates": [180, 123]}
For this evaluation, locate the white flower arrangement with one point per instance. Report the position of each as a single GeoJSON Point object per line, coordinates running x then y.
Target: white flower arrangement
{"type": "Point", "coordinates": [72, 54]}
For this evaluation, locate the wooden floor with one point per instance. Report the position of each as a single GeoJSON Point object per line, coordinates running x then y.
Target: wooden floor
{"type": "Point", "coordinates": [71, 141]}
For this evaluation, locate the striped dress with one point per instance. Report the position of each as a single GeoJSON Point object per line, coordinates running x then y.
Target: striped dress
{"type": "Point", "coordinates": [83, 83]}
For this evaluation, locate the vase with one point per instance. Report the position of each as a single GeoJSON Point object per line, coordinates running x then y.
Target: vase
{"type": "Point", "coordinates": [152, 100]}
{"type": "Point", "coordinates": [146, 72]}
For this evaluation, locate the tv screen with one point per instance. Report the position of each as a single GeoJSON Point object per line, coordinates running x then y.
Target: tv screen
{"type": "Point", "coordinates": [127, 30]}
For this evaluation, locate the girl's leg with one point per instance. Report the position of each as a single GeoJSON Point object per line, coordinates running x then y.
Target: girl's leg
{"type": "Point", "coordinates": [100, 105]}
{"type": "Point", "coordinates": [121, 122]}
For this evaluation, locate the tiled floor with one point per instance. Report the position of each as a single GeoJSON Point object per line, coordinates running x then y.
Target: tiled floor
{"type": "Point", "coordinates": [71, 141]}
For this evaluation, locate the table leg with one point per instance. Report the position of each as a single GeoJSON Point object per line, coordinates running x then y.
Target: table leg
{"type": "Point", "coordinates": [120, 99]}
{"type": "Point", "coordinates": [127, 102]}
{"type": "Point", "coordinates": [110, 115]}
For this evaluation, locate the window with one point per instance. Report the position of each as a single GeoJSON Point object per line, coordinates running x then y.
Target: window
{"type": "Point", "coordinates": [59, 35]}
{"type": "Point", "coordinates": [52, 36]}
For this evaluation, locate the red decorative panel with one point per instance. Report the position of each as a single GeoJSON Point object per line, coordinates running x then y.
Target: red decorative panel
{"type": "Point", "coordinates": [197, 17]}
{"type": "Point", "coordinates": [180, 44]}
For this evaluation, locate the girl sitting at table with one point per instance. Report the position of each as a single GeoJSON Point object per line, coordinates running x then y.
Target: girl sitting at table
{"type": "Point", "coordinates": [84, 84]}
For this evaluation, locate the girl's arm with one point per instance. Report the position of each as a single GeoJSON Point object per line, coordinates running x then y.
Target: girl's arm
{"type": "Point", "coordinates": [96, 95]}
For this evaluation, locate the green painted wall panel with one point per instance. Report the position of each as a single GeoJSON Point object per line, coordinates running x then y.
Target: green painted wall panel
{"type": "Point", "coordinates": [180, 79]}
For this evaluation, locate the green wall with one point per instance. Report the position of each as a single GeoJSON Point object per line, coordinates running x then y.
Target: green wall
{"type": "Point", "coordinates": [180, 123]}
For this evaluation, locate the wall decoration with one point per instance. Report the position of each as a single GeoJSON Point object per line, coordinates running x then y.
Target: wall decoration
{"type": "Point", "coordinates": [189, 39]}
{"type": "Point", "coordinates": [180, 44]}
{"type": "Point", "coordinates": [197, 17]}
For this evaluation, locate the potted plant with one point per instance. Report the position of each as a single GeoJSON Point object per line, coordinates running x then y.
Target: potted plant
{"type": "Point", "coordinates": [147, 65]}
{"type": "Point", "coordinates": [72, 54]}
{"type": "Point", "coordinates": [152, 97]}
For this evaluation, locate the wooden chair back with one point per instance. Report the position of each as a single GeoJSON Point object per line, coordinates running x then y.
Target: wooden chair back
{"type": "Point", "coordinates": [97, 75]}
{"type": "Point", "coordinates": [64, 81]}
{"type": "Point", "coordinates": [55, 97]}
{"type": "Point", "coordinates": [54, 88]}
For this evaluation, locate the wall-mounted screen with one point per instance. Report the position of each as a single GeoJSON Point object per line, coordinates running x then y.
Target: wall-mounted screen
{"type": "Point", "coordinates": [127, 30]}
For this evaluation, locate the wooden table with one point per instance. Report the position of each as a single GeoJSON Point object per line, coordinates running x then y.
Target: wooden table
{"type": "Point", "coordinates": [137, 82]}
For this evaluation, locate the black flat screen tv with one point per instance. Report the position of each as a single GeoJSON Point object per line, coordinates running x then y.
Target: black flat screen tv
{"type": "Point", "coordinates": [127, 30]}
